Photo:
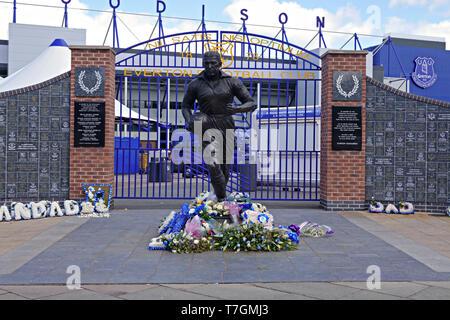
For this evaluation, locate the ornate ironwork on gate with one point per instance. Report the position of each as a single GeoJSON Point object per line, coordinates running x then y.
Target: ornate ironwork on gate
{"type": "Point", "coordinates": [280, 141]}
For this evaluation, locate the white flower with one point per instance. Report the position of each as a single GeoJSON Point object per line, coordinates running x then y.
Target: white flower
{"type": "Point", "coordinates": [87, 208]}
{"type": "Point", "coordinates": [196, 241]}
{"type": "Point", "coordinates": [91, 191]}
{"type": "Point", "coordinates": [100, 206]}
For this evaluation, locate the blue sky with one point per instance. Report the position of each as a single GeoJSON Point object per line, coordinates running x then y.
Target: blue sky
{"type": "Point", "coordinates": [421, 17]}
{"type": "Point", "coordinates": [411, 10]}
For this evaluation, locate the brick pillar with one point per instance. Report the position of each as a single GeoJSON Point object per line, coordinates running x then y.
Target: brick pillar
{"type": "Point", "coordinates": [342, 172]}
{"type": "Point", "coordinates": [93, 165]}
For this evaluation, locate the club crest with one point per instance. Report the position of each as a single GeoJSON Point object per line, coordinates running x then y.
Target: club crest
{"type": "Point", "coordinates": [424, 75]}
{"type": "Point", "coordinates": [225, 49]}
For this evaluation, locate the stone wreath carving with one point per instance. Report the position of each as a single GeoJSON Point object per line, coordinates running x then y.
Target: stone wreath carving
{"type": "Point", "coordinates": [95, 87]}
{"type": "Point", "coordinates": [353, 91]}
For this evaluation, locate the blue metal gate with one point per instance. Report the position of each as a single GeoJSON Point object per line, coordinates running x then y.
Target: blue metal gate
{"type": "Point", "coordinates": [280, 141]}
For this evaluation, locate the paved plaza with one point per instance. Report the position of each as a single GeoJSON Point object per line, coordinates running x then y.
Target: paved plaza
{"type": "Point", "coordinates": [411, 252]}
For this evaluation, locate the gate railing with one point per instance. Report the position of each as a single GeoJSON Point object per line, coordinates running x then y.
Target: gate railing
{"type": "Point", "coordinates": [284, 158]}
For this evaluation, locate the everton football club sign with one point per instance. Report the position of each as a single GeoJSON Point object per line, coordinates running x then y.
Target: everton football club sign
{"type": "Point", "coordinates": [424, 75]}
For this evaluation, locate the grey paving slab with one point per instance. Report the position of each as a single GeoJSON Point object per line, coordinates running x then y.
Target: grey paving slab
{"type": "Point", "coordinates": [432, 293]}
{"type": "Point", "coordinates": [81, 294]}
{"type": "Point", "coordinates": [101, 276]}
{"type": "Point", "coordinates": [163, 293]}
{"type": "Point", "coordinates": [129, 277]}
{"type": "Point", "coordinates": [369, 295]}
{"type": "Point", "coordinates": [315, 290]}
{"type": "Point", "coordinates": [241, 292]}
{"type": "Point", "coordinates": [35, 292]}
{"type": "Point", "coordinates": [398, 289]}
{"type": "Point", "coordinates": [236, 277]}
{"type": "Point", "coordinates": [349, 273]}
{"type": "Point", "coordinates": [115, 250]}
{"type": "Point", "coordinates": [12, 260]}
{"type": "Point", "coordinates": [166, 277]}
{"type": "Point", "coordinates": [11, 296]}
{"type": "Point", "coordinates": [432, 259]}
{"type": "Point", "coordinates": [117, 290]}
{"type": "Point", "coordinates": [440, 284]}
{"type": "Point", "coordinates": [205, 277]}
{"type": "Point", "coordinates": [139, 265]}
{"type": "Point", "coordinates": [278, 275]}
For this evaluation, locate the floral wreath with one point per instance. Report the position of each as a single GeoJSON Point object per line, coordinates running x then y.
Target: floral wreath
{"type": "Point", "coordinates": [353, 91]}
{"type": "Point", "coordinates": [95, 199]}
{"type": "Point", "coordinates": [94, 88]}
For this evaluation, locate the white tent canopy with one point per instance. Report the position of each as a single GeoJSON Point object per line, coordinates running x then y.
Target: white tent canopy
{"type": "Point", "coordinates": [52, 62]}
{"type": "Point", "coordinates": [123, 110]}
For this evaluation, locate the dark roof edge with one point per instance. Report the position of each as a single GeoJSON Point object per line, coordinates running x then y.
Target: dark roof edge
{"type": "Point", "coordinates": [33, 87]}
{"type": "Point", "coordinates": [408, 95]}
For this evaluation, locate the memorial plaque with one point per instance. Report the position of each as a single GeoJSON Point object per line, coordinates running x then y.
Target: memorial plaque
{"type": "Point", "coordinates": [29, 125]}
{"type": "Point", "coordinates": [89, 82]}
{"type": "Point", "coordinates": [347, 86]}
{"type": "Point", "coordinates": [408, 145]}
{"type": "Point", "coordinates": [347, 128]}
{"type": "Point", "coordinates": [89, 127]}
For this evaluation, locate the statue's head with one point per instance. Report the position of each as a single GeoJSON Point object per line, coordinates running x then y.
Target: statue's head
{"type": "Point", "coordinates": [212, 63]}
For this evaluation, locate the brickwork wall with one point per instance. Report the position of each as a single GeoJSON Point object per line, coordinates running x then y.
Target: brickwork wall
{"type": "Point", "coordinates": [93, 165]}
{"type": "Point", "coordinates": [342, 173]}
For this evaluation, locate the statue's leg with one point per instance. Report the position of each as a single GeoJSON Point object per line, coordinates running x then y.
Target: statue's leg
{"type": "Point", "coordinates": [219, 168]}
{"type": "Point", "coordinates": [218, 179]}
{"type": "Point", "coordinates": [228, 153]}
{"type": "Point", "coordinates": [226, 169]}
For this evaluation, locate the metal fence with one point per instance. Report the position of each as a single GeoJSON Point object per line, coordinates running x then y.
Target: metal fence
{"type": "Point", "coordinates": [280, 141]}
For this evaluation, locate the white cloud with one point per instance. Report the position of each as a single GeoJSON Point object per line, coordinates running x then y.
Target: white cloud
{"type": "Point", "coordinates": [438, 3]}
{"type": "Point", "coordinates": [265, 12]}
{"type": "Point", "coordinates": [394, 3]}
{"type": "Point", "coordinates": [261, 12]}
{"type": "Point", "coordinates": [96, 23]}
{"type": "Point", "coordinates": [431, 4]}
{"type": "Point", "coordinates": [439, 29]}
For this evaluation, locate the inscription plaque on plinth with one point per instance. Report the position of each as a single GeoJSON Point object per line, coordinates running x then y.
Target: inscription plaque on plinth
{"type": "Point", "coordinates": [89, 127]}
{"type": "Point", "coordinates": [346, 128]}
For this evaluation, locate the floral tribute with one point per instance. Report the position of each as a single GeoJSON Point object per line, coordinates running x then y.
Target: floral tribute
{"type": "Point", "coordinates": [402, 208]}
{"type": "Point", "coordinates": [98, 198]}
{"type": "Point", "coordinates": [237, 224]}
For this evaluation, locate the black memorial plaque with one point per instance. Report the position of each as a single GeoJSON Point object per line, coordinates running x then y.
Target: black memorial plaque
{"type": "Point", "coordinates": [347, 86]}
{"type": "Point", "coordinates": [89, 82]}
{"type": "Point", "coordinates": [346, 128]}
{"type": "Point", "coordinates": [89, 127]}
